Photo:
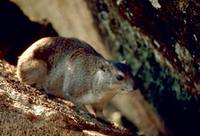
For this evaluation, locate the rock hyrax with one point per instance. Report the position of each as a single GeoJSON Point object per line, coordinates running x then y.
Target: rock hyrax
{"type": "Point", "coordinates": [72, 69]}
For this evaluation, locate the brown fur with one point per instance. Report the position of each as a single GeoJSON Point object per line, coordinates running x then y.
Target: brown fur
{"type": "Point", "coordinates": [71, 69]}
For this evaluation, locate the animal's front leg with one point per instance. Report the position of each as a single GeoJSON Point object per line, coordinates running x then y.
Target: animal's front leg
{"type": "Point", "coordinates": [98, 109]}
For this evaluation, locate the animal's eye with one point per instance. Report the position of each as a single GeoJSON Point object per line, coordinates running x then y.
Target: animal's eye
{"type": "Point", "coordinates": [120, 77]}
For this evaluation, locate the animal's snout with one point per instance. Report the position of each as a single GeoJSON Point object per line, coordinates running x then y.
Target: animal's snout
{"type": "Point", "coordinates": [128, 88]}
{"type": "Point", "coordinates": [131, 87]}
{"type": "Point", "coordinates": [134, 87]}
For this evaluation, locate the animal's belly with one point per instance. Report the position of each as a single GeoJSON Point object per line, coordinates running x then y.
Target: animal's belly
{"type": "Point", "coordinates": [89, 98]}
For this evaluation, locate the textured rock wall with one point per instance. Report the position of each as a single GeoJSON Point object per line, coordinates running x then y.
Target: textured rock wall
{"type": "Point", "coordinates": [70, 18]}
{"type": "Point", "coordinates": [160, 40]}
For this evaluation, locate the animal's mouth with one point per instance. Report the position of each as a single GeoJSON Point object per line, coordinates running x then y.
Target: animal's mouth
{"type": "Point", "coordinates": [128, 88]}
{"type": "Point", "coordinates": [108, 95]}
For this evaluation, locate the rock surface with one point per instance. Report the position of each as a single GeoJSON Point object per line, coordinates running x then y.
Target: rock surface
{"type": "Point", "coordinates": [70, 18]}
{"type": "Point", "coordinates": [160, 40]}
{"type": "Point", "coordinates": [27, 111]}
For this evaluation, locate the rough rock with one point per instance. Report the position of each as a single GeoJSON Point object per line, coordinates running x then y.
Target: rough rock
{"type": "Point", "coordinates": [160, 40]}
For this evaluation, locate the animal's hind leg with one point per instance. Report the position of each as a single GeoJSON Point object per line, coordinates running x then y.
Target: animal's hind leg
{"type": "Point", "coordinates": [32, 72]}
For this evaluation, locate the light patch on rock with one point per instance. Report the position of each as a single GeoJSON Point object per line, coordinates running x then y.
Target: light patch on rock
{"type": "Point", "coordinates": [119, 2]}
{"type": "Point", "coordinates": [93, 133]}
{"type": "Point", "coordinates": [185, 57]}
{"type": "Point", "coordinates": [155, 4]}
{"type": "Point", "coordinates": [156, 43]}
{"type": "Point", "coordinates": [183, 5]}
{"type": "Point", "coordinates": [38, 109]}
{"type": "Point", "coordinates": [183, 54]}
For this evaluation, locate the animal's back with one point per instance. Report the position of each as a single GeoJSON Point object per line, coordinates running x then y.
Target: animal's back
{"type": "Point", "coordinates": [50, 49]}
{"type": "Point", "coordinates": [37, 62]}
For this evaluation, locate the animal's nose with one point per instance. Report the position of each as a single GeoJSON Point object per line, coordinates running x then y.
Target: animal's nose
{"type": "Point", "coordinates": [130, 88]}
{"type": "Point", "coordinates": [134, 87]}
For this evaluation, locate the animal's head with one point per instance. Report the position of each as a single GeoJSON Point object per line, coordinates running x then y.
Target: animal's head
{"type": "Point", "coordinates": [122, 79]}
{"type": "Point", "coordinates": [116, 76]}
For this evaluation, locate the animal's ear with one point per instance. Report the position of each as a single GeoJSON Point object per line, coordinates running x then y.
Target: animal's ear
{"type": "Point", "coordinates": [123, 61]}
{"type": "Point", "coordinates": [102, 67]}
